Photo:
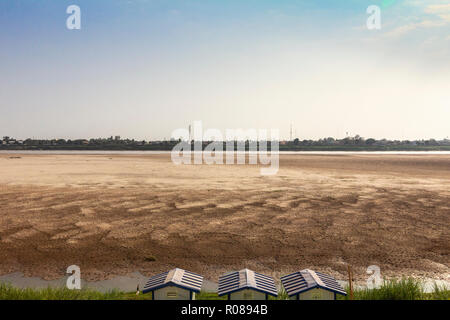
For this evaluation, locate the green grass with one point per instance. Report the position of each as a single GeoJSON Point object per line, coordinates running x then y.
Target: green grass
{"type": "Point", "coordinates": [400, 289]}
{"type": "Point", "coordinates": [396, 289]}
{"type": "Point", "coordinates": [133, 296]}
{"type": "Point", "coordinates": [282, 295]}
{"type": "Point", "coordinates": [8, 292]}
{"type": "Point", "coordinates": [202, 295]}
{"type": "Point", "coordinates": [439, 293]}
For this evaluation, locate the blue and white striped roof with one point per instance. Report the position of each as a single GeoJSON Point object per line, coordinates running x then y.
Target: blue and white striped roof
{"type": "Point", "coordinates": [305, 280]}
{"type": "Point", "coordinates": [246, 279]}
{"type": "Point", "coordinates": [175, 277]}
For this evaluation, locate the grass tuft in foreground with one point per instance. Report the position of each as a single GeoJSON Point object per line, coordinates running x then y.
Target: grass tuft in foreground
{"type": "Point", "coordinates": [8, 292]}
{"type": "Point", "coordinates": [400, 289]}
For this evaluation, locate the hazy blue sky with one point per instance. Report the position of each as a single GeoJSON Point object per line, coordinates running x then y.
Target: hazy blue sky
{"type": "Point", "coordinates": [144, 68]}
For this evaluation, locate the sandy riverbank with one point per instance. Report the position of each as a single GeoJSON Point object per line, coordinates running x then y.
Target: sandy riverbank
{"type": "Point", "coordinates": [116, 214]}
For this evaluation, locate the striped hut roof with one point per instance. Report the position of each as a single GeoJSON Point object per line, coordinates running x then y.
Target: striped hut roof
{"type": "Point", "coordinates": [176, 277]}
{"type": "Point", "coordinates": [246, 279]}
{"type": "Point", "coordinates": [305, 280]}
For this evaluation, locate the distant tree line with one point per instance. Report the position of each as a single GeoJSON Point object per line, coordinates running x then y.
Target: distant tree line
{"type": "Point", "coordinates": [357, 143]}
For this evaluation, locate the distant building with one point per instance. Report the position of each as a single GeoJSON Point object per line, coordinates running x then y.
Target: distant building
{"type": "Point", "coordinates": [247, 285]}
{"type": "Point", "coordinates": [176, 284]}
{"type": "Point", "coordinates": [311, 285]}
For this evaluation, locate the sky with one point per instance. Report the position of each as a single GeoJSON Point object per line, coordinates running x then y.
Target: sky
{"type": "Point", "coordinates": [144, 68]}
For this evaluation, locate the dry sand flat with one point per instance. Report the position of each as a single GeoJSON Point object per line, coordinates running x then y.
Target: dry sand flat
{"type": "Point", "coordinates": [116, 214]}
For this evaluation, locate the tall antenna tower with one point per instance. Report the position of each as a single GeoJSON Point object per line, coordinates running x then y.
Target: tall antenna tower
{"type": "Point", "coordinates": [290, 134]}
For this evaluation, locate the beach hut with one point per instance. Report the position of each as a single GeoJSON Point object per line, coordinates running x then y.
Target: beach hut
{"type": "Point", "coordinates": [176, 284]}
{"type": "Point", "coordinates": [311, 285]}
{"type": "Point", "coordinates": [246, 285]}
